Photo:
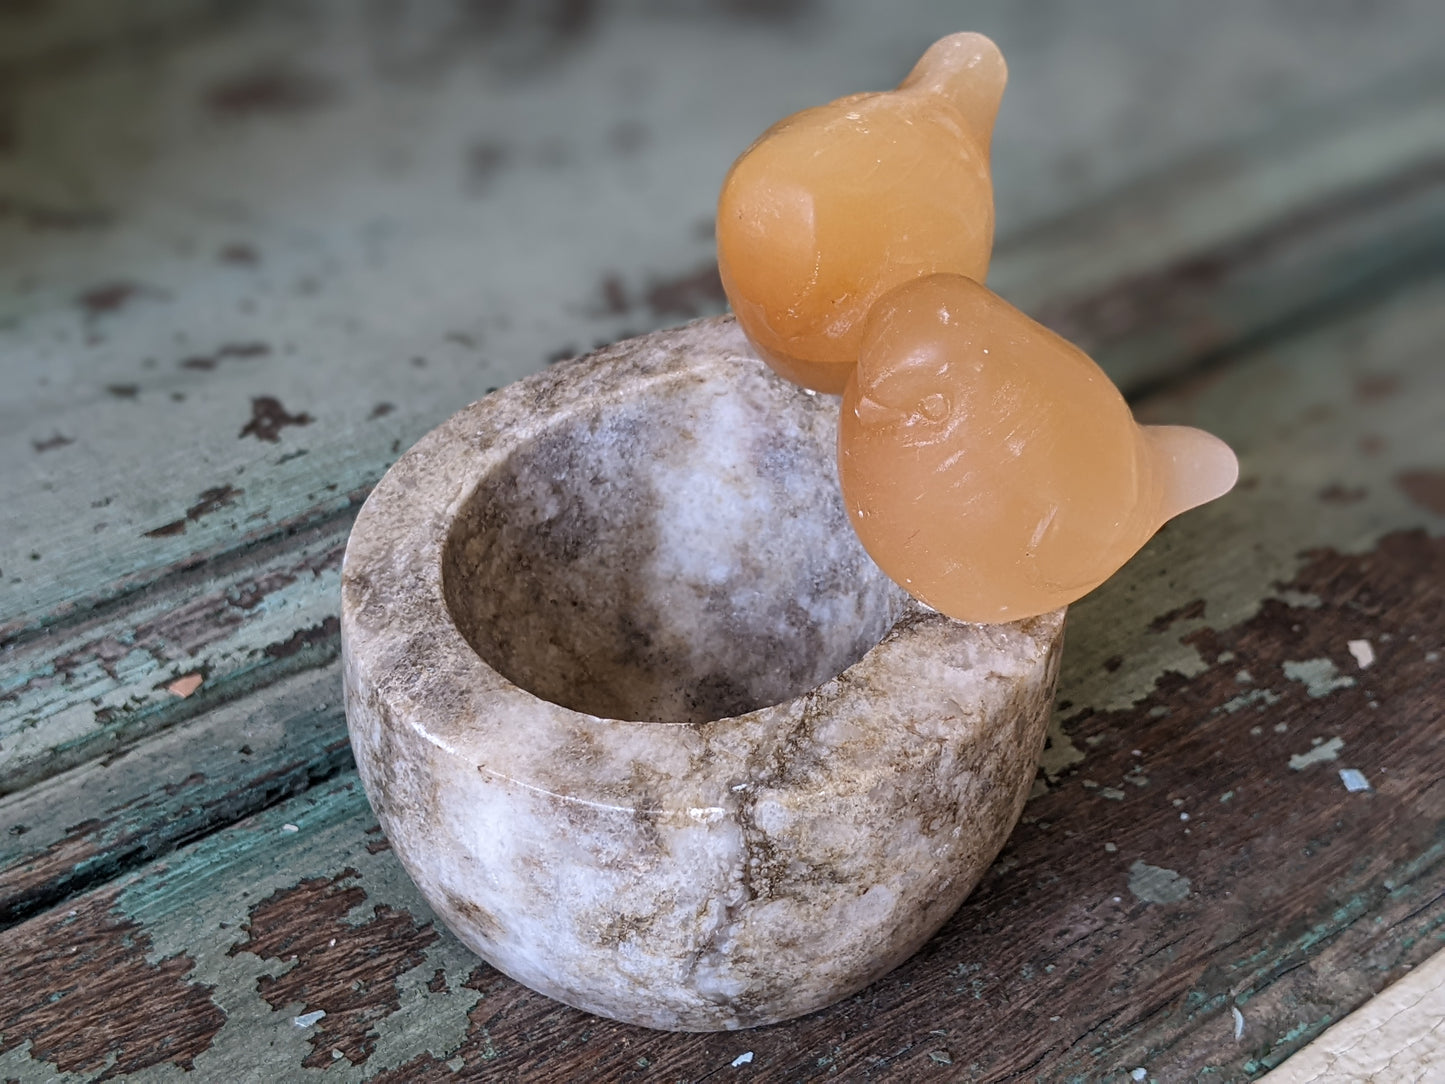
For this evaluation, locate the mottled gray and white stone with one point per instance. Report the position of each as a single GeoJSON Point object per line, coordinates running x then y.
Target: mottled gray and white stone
{"type": "Point", "coordinates": [639, 716]}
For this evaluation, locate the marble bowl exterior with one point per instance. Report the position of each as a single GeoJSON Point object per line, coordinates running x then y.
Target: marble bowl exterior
{"type": "Point", "coordinates": [638, 716]}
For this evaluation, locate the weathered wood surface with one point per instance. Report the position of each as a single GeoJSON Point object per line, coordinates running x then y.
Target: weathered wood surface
{"type": "Point", "coordinates": [192, 183]}
{"type": "Point", "coordinates": [92, 685]}
{"type": "Point", "coordinates": [1113, 934]}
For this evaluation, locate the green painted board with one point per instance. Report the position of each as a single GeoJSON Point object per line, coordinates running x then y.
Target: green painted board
{"type": "Point", "coordinates": [93, 686]}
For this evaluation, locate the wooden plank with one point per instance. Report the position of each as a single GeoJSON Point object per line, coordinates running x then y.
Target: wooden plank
{"type": "Point", "coordinates": [198, 638]}
{"type": "Point", "coordinates": [1213, 680]}
{"type": "Point", "coordinates": [257, 249]}
{"type": "Point", "coordinates": [1229, 241]}
{"type": "Point", "coordinates": [124, 811]}
{"type": "Point", "coordinates": [1398, 1035]}
{"type": "Point", "coordinates": [105, 677]}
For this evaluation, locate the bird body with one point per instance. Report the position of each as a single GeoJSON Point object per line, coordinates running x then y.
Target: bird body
{"type": "Point", "coordinates": [991, 467]}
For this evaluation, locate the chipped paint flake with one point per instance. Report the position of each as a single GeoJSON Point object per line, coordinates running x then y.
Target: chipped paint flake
{"type": "Point", "coordinates": [1156, 884]}
{"type": "Point", "coordinates": [1262, 697]}
{"type": "Point", "coordinates": [1319, 676]}
{"type": "Point", "coordinates": [294, 927]}
{"type": "Point", "coordinates": [1354, 780]}
{"type": "Point", "coordinates": [309, 1019]}
{"type": "Point", "coordinates": [1363, 651]}
{"type": "Point", "coordinates": [1318, 755]}
{"type": "Point", "coordinates": [184, 686]}
{"type": "Point", "coordinates": [1238, 1022]}
{"type": "Point", "coordinates": [742, 1059]}
{"type": "Point", "coordinates": [1060, 753]}
{"type": "Point", "coordinates": [89, 992]}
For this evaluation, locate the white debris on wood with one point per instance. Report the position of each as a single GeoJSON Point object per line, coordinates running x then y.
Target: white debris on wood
{"type": "Point", "coordinates": [290, 828]}
{"type": "Point", "coordinates": [742, 1059]}
{"type": "Point", "coordinates": [1318, 755]}
{"type": "Point", "coordinates": [1354, 780]}
{"type": "Point", "coordinates": [308, 1019]}
{"type": "Point", "coordinates": [1238, 1022]}
{"type": "Point", "coordinates": [1363, 651]}
{"type": "Point", "coordinates": [1140, 1073]}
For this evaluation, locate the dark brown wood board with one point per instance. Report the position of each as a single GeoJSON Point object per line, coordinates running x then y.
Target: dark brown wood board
{"type": "Point", "coordinates": [188, 868]}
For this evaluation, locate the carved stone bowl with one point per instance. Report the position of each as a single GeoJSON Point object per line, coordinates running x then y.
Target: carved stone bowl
{"type": "Point", "coordinates": [641, 719]}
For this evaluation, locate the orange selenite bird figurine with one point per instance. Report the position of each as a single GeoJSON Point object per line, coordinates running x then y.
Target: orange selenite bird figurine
{"type": "Point", "coordinates": [988, 466]}
{"type": "Point", "coordinates": [836, 205]}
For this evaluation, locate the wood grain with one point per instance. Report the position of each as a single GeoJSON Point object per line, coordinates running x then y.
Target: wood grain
{"type": "Point", "coordinates": [121, 812]}
{"type": "Point", "coordinates": [95, 684]}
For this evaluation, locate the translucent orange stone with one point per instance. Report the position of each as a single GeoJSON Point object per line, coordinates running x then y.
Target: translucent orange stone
{"type": "Point", "coordinates": [835, 205]}
{"type": "Point", "coordinates": [991, 468]}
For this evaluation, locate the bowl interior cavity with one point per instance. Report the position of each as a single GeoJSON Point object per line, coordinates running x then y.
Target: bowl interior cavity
{"type": "Point", "coordinates": [682, 557]}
